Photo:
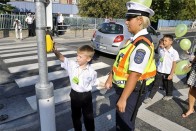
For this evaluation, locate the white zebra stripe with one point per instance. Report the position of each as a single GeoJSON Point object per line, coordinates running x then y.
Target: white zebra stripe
{"type": "Point", "coordinates": [17, 46]}
{"type": "Point", "coordinates": [16, 50]}
{"type": "Point", "coordinates": [61, 95]}
{"type": "Point", "coordinates": [31, 80]}
{"type": "Point", "coordinates": [34, 66]}
{"type": "Point", "coordinates": [18, 59]}
{"type": "Point", "coordinates": [23, 53]}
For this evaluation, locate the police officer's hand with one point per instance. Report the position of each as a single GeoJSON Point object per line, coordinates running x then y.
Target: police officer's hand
{"type": "Point", "coordinates": [121, 104]}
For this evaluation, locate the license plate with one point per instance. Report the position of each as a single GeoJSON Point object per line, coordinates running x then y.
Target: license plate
{"type": "Point", "coordinates": [102, 47]}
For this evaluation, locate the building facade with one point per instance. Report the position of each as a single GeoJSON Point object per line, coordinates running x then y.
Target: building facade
{"type": "Point", "coordinates": [24, 7]}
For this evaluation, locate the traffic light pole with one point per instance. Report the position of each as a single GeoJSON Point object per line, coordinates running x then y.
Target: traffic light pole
{"type": "Point", "coordinates": [44, 89]}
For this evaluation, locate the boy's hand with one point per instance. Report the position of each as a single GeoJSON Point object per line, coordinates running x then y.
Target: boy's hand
{"type": "Point", "coordinates": [170, 77]}
{"type": "Point", "coordinates": [108, 85]}
{"type": "Point", "coordinates": [54, 47]}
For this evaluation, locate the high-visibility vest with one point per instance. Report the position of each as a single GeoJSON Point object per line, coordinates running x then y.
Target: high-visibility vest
{"type": "Point", "coordinates": [121, 65]}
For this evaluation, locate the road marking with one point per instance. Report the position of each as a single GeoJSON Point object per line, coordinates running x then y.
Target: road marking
{"type": "Point", "coordinates": [25, 58]}
{"type": "Point", "coordinates": [27, 67]}
{"type": "Point", "coordinates": [17, 46]}
{"type": "Point", "coordinates": [60, 95]}
{"type": "Point", "coordinates": [31, 80]}
{"type": "Point", "coordinates": [178, 78]}
{"type": "Point", "coordinates": [159, 122]}
{"type": "Point", "coordinates": [104, 122]}
{"type": "Point", "coordinates": [24, 53]}
{"type": "Point", "coordinates": [16, 50]}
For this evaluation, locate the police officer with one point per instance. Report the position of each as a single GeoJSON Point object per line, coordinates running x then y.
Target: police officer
{"type": "Point", "coordinates": [29, 20]}
{"type": "Point", "coordinates": [134, 67]}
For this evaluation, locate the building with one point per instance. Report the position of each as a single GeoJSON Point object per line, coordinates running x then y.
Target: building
{"type": "Point", "coordinates": [23, 7]}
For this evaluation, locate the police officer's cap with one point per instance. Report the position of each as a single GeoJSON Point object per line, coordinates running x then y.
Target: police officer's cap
{"type": "Point", "coordinates": [137, 9]}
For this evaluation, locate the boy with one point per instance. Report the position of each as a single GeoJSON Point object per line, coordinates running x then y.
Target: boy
{"type": "Point", "coordinates": [153, 87]}
{"type": "Point", "coordinates": [167, 64]}
{"type": "Point", "coordinates": [82, 77]}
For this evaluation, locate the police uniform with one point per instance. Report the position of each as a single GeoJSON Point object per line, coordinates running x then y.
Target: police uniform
{"type": "Point", "coordinates": [29, 20]}
{"type": "Point", "coordinates": [136, 56]}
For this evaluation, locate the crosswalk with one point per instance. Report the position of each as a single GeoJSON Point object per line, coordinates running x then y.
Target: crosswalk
{"type": "Point", "coordinates": [21, 58]}
{"type": "Point", "coordinates": [17, 54]}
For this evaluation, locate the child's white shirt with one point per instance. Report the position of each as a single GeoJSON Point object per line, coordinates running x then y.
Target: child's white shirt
{"type": "Point", "coordinates": [168, 57]}
{"type": "Point", "coordinates": [87, 77]}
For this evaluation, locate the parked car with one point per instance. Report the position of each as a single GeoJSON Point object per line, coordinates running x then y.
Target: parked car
{"type": "Point", "coordinates": [110, 37]}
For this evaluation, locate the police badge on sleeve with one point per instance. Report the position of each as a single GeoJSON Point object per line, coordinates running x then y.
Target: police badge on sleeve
{"type": "Point", "coordinates": [139, 56]}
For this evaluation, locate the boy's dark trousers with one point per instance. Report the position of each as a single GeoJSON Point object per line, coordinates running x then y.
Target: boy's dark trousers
{"type": "Point", "coordinates": [81, 104]}
{"type": "Point", "coordinates": [167, 84]}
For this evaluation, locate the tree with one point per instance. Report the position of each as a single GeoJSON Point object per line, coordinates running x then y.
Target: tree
{"type": "Point", "coordinates": [173, 10]}
{"type": "Point", "coordinates": [164, 9]}
{"type": "Point", "coordinates": [6, 8]}
{"type": "Point", "coordinates": [188, 10]}
{"type": "Point", "coordinates": [5, 1]}
{"type": "Point", "coordinates": [102, 8]}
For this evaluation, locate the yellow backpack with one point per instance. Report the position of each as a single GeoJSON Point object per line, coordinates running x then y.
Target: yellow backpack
{"type": "Point", "coordinates": [49, 43]}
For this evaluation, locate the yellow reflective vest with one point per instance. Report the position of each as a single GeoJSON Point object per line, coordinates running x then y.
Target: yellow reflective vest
{"type": "Point", "coordinates": [121, 65]}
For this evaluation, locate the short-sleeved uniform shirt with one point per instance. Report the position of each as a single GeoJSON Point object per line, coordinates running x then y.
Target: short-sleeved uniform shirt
{"type": "Point", "coordinates": [140, 55]}
{"type": "Point", "coordinates": [29, 19]}
{"type": "Point", "coordinates": [87, 77]}
{"type": "Point", "coordinates": [167, 57]}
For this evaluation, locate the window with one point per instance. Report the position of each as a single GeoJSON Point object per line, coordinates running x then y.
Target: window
{"type": "Point", "coordinates": [110, 28]}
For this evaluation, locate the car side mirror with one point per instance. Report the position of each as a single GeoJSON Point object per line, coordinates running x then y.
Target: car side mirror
{"type": "Point", "coordinates": [158, 33]}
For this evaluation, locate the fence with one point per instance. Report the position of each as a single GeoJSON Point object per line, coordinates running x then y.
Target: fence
{"type": "Point", "coordinates": [173, 23]}
{"type": "Point", "coordinates": [6, 22]}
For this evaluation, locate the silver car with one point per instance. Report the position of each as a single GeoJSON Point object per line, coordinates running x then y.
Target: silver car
{"type": "Point", "coordinates": [110, 37]}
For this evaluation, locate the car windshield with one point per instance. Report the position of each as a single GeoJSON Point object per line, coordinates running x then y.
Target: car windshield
{"type": "Point", "coordinates": [110, 28]}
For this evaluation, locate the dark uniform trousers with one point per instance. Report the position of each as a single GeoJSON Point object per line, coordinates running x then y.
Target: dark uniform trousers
{"type": "Point", "coordinates": [123, 120]}
{"type": "Point", "coordinates": [81, 104]}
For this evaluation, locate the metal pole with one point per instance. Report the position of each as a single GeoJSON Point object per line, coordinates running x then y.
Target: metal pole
{"type": "Point", "coordinates": [83, 31]}
{"type": "Point", "coordinates": [44, 89]}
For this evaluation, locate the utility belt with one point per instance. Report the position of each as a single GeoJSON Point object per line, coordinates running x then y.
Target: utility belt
{"type": "Point", "coordinates": [138, 87]}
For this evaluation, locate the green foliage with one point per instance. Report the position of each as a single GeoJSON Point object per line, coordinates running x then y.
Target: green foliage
{"type": "Point", "coordinates": [6, 8]}
{"type": "Point", "coordinates": [188, 10]}
{"type": "Point", "coordinates": [164, 9]}
{"type": "Point", "coordinates": [102, 8]}
{"type": "Point", "coordinates": [174, 10]}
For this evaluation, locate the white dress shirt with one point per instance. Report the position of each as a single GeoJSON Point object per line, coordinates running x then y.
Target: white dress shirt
{"type": "Point", "coordinates": [60, 18]}
{"type": "Point", "coordinates": [29, 19]}
{"type": "Point", "coordinates": [87, 77]}
{"type": "Point", "coordinates": [167, 57]}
